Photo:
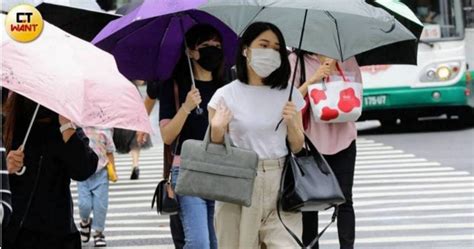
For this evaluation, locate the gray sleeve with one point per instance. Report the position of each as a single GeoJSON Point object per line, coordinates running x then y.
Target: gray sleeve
{"type": "Point", "coordinates": [298, 99]}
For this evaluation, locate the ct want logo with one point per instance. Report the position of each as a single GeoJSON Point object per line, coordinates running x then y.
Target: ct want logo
{"type": "Point", "coordinates": [24, 23]}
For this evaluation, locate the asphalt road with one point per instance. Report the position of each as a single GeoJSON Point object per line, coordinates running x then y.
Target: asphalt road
{"type": "Point", "coordinates": [446, 141]}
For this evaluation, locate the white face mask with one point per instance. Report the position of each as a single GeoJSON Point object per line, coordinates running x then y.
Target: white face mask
{"type": "Point", "coordinates": [264, 61]}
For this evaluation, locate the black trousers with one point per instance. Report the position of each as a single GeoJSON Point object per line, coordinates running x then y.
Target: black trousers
{"type": "Point", "coordinates": [343, 165]}
{"type": "Point", "coordinates": [177, 231]}
{"type": "Point", "coordinates": [28, 239]}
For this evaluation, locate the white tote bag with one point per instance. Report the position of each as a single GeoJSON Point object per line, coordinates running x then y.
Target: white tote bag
{"type": "Point", "coordinates": [336, 101]}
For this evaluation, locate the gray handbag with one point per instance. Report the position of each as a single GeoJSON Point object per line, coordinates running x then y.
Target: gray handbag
{"type": "Point", "coordinates": [217, 172]}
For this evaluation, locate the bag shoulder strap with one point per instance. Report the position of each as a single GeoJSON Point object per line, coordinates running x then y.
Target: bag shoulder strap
{"type": "Point", "coordinates": [316, 239]}
{"type": "Point", "coordinates": [176, 95]}
{"type": "Point", "coordinates": [171, 149]}
{"type": "Point", "coordinates": [177, 105]}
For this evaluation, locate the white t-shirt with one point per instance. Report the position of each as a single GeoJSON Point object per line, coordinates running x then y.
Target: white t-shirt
{"type": "Point", "coordinates": [256, 112]}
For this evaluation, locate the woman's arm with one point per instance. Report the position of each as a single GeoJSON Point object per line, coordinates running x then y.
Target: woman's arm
{"type": "Point", "coordinates": [219, 121]}
{"type": "Point", "coordinates": [322, 72]}
{"type": "Point", "coordinates": [170, 129]}
{"type": "Point", "coordinates": [111, 158]}
{"type": "Point", "coordinates": [217, 132]}
{"type": "Point", "coordinates": [294, 122]}
{"type": "Point", "coordinates": [296, 134]}
{"type": "Point", "coordinates": [304, 88]}
{"type": "Point", "coordinates": [78, 157]}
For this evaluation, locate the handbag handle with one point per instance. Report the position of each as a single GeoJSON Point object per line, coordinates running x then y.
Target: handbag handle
{"type": "Point", "coordinates": [314, 152]}
{"type": "Point", "coordinates": [227, 141]}
{"type": "Point", "coordinates": [341, 72]}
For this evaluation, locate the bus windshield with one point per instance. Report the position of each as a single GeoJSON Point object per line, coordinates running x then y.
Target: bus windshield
{"type": "Point", "coordinates": [443, 19]}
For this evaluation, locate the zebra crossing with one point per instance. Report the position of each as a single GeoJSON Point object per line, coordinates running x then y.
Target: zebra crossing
{"type": "Point", "coordinates": [401, 201]}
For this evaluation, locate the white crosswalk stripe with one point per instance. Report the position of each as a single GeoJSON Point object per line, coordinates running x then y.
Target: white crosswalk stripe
{"type": "Point", "coordinates": [398, 198]}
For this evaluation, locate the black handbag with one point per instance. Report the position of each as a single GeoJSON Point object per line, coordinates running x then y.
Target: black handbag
{"type": "Point", "coordinates": [308, 184]}
{"type": "Point", "coordinates": [164, 197]}
{"type": "Point", "coordinates": [166, 203]}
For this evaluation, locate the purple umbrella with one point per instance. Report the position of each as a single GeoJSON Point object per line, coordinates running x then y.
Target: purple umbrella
{"type": "Point", "coordinates": [147, 43]}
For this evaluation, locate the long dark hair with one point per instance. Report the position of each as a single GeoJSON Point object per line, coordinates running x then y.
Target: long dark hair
{"type": "Point", "coordinates": [279, 78]}
{"type": "Point", "coordinates": [19, 111]}
{"type": "Point", "coordinates": [196, 35]}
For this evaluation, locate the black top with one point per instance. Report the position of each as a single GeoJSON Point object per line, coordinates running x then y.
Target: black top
{"type": "Point", "coordinates": [5, 194]}
{"type": "Point", "coordinates": [196, 125]}
{"type": "Point", "coordinates": [51, 164]}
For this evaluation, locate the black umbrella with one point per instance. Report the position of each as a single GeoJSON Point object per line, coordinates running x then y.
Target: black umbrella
{"type": "Point", "coordinates": [82, 19]}
{"type": "Point", "coordinates": [85, 24]}
{"type": "Point", "coordinates": [404, 52]}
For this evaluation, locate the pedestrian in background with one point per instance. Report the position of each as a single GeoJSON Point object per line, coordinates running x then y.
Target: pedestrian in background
{"type": "Point", "coordinates": [249, 109]}
{"type": "Point", "coordinates": [336, 141]}
{"type": "Point", "coordinates": [136, 146]}
{"type": "Point", "coordinates": [132, 142]}
{"type": "Point", "coordinates": [93, 193]}
{"type": "Point", "coordinates": [55, 153]}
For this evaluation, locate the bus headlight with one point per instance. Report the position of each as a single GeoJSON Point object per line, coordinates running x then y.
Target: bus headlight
{"type": "Point", "coordinates": [440, 72]}
{"type": "Point", "coordinates": [443, 73]}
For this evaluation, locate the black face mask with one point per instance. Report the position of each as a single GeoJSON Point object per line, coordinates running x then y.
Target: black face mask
{"type": "Point", "coordinates": [210, 58]}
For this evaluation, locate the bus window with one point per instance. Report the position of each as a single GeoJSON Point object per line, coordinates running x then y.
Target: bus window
{"type": "Point", "coordinates": [442, 18]}
{"type": "Point", "coordinates": [469, 13]}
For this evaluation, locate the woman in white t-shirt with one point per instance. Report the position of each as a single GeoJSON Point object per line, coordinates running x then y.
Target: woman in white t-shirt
{"type": "Point", "coordinates": [250, 108]}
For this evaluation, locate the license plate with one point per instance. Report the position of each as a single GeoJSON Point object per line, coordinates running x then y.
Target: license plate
{"type": "Point", "coordinates": [378, 100]}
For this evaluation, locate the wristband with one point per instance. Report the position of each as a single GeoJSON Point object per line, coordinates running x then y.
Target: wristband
{"type": "Point", "coordinates": [67, 126]}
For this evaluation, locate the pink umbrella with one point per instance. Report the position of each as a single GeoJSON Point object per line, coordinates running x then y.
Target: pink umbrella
{"type": "Point", "coordinates": [73, 78]}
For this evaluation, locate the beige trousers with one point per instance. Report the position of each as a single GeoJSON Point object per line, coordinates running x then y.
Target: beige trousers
{"type": "Point", "coordinates": [258, 226]}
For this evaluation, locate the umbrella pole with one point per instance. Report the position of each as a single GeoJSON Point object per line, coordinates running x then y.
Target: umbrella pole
{"type": "Point", "coordinates": [199, 110]}
{"type": "Point", "coordinates": [298, 57]}
{"type": "Point", "coordinates": [338, 35]}
{"type": "Point", "coordinates": [296, 63]}
{"type": "Point", "coordinates": [22, 147]}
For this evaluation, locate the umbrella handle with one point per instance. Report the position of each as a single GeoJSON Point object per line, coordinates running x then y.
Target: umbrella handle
{"type": "Point", "coordinates": [21, 172]}
{"type": "Point", "coordinates": [199, 110]}
{"type": "Point", "coordinates": [22, 147]}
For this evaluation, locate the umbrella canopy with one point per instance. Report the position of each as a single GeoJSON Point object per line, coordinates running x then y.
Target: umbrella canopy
{"type": "Point", "coordinates": [404, 52]}
{"type": "Point", "coordinates": [83, 19]}
{"type": "Point", "coordinates": [129, 7]}
{"type": "Point", "coordinates": [73, 78]}
{"type": "Point", "coordinates": [399, 9]}
{"type": "Point", "coordinates": [338, 29]}
{"type": "Point", "coordinates": [81, 4]}
{"type": "Point", "coordinates": [148, 42]}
